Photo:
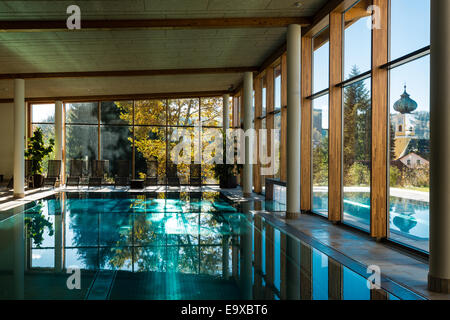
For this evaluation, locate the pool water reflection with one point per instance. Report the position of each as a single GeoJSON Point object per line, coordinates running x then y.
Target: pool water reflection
{"type": "Point", "coordinates": [163, 246]}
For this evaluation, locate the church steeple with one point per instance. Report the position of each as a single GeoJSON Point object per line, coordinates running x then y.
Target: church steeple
{"type": "Point", "coordinates": [405, 104]}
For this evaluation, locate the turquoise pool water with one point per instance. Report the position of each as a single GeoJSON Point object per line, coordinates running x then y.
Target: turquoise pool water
{"type": "Point", "coordinates": [161, 246]}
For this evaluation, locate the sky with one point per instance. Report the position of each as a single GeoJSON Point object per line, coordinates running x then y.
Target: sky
{"type": "Point", "coordinates": [410, 31]}
{"type": "Point", "coordinates": [42, 112]}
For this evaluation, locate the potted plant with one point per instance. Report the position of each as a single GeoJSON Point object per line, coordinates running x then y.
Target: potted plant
{"type": "Point", "coordinates": [36, 152]}
{"type": "Point", "coordinates": [227, 173]}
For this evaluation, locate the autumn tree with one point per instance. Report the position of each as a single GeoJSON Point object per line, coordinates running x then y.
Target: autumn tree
{"type": "Point", "coordinates": [161, 124]}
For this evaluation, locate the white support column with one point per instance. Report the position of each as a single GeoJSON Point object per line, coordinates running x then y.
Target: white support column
{"type": "Point", "coordinates": [248, 124]}
{"type": "Point", "coordinates": [58, 129]}
{"type": "Point", "coordinates": [59, 136]}
{"type": "Point", "coordinates": [293, 121]}
{"type": "Point", "coordinates": [439, 271]}
{"type": "Point", "coordinates": [226, 112]}
{"type": "Point", "coordinates": [19, 138]}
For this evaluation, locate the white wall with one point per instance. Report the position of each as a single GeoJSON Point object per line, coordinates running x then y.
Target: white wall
{"type": "Point", "coordinates": [6, 139]}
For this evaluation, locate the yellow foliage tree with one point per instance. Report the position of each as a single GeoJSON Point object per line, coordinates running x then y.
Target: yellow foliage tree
{"type": "Point", "coordinates": [153, 117]}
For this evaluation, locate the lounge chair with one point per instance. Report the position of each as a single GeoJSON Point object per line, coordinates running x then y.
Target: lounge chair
{"type": "Point", "coordinates": [122, 178]}
{"type": "Point", "coordinates": [53, 173]}
{"type": "Point", "coordinates": [151, 178]}
{"type": "Point", "coordinates": [195, 174]}
{"type": "Point", "coordinates": [76, 171]}
{"type": "Point", "coordinates": [10, 183]}
{"type": "Point", "coordinates": [97, 173]}
{"type": "Point", "coordinates": [172, 175]}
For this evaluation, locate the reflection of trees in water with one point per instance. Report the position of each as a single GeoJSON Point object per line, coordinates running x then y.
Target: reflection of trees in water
{"type": "Point", "coordinates": [145, 241]}
{"type": "Point", "coordinates": [87, 233]}
{"type": "Point", "coordinates": [36, 223]}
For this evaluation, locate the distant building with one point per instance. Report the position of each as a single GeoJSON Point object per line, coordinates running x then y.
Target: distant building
{"type": "Point", "coordinates": [317, 126]}
{"type": "Point", "coordinates": [412, 160]}
{"type": "Point", "coordinates": [404, 132]}
{"type": "Point", "coordinates": [409, 127]}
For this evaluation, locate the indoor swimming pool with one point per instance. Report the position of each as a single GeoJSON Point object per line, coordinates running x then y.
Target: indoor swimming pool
{"type": "Point", "coordinates": [169, 245]}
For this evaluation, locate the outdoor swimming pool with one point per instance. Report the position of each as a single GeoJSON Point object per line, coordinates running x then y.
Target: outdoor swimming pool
{"type": "Point", "coordinates": [166, 246]}
{"type": "Point", "coordinates": [408, 218]}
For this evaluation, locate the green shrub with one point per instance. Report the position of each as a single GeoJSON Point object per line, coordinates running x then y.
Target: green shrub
{"type": "Point", "coordinates": [357, 175]}
{"type": "Point", "coordinates": [395, 177]}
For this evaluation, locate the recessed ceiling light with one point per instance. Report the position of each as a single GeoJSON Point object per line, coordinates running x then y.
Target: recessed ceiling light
{"type": "Point", "coordinates": [297, 4]}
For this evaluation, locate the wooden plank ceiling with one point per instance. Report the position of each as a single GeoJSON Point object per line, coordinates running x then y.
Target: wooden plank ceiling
{"type": "Point", "coordinates": [163, 45]}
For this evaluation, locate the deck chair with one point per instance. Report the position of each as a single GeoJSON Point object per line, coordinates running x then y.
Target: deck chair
{"type": "Point", "coordinates": [10, 183]}
{"type": "Point", "coordinates": [97, 173]}
{"type": "Point", "coordinates": [151, 178]}
{"type": "Point", "coordinates": [53, 173]}
{"type": "Point", "coordinates": [122, 178]}
{"type": "Point", "coordinates": [76, 171]}
{"type": "Point", "coordinates": [195, 174]}
{"type": "Point", "coordinates": [28, 176]}
{"type": "Point", "coordinates": [172, 175]}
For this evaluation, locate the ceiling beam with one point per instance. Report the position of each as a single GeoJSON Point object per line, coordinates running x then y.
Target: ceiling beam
{"type": "Point", "coordinates": [137, 96]}
{"type": "Point", "coordinates": [126, 73]}
{"type": "Point", "coordinates": [203, 23]}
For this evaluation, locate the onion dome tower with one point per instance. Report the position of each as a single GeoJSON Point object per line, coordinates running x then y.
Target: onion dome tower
{"type": "Point", "coordinates": [405, 105]}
